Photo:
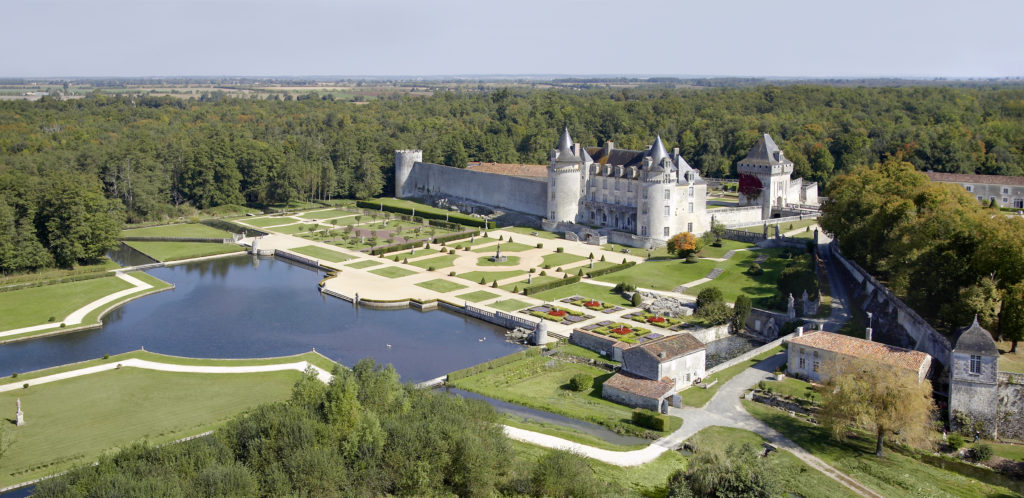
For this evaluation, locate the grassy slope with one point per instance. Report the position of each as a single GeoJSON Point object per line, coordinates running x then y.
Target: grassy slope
{"type": "Point", "coordinates": [179, 230]}
{"type": "Point", "coordinates": [34, 306]}
{"type": "Point", "coordinates": [174, 251]}
{"type": "Point", "coordinates": [734, 281]}
{"type": "Point", "coordinates": [73, 421]}
{"type": "Point", "coordinates": [662, 274]}
{"type": "Point", "coordinates": [55, 273]}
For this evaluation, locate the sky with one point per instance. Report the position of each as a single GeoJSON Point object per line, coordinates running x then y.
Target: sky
{"type": "Point", "coordinates": [804, 38]}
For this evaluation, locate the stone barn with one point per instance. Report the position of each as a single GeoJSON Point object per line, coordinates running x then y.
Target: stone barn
{"type": "Point", "coordinates": [654, 370]}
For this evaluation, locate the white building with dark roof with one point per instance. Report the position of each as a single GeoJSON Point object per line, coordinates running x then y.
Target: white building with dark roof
{"type": "Point", "coordinates": [1007, 191]}
{"type": "Point", "coordinates": [765, 179]}
{"type": "Point", "coordinates": [654, 370]}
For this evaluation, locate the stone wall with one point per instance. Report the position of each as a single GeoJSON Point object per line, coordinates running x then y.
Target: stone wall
{"type": "Point", "coordinates": [748, 355]}
{"type": "Point", "coordinates": [737, 216]}
{"type": "Point", "coordinates": [977, 401]}
{"type": "Point", "coordinates": [630, 399]}
{"type": "Point", "coordinates": [634, 240]}
{"type": "Point", "coordinates": [743, 236]}
{"type": "Point", "coordinates": [711, 333]}
{"type": "Point", "coordinates": [594, 342]}
{"type": "Point", "coordinates": [1011, 405]}
{"type": "Point", "coordinates": [508, 192]}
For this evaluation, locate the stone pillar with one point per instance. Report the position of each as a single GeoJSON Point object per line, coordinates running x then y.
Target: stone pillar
{"type": "Point", "coordinates": [19, 416]}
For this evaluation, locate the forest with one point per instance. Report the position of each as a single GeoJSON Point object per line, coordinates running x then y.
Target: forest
{"type": "Point", "coordinates": [138, 158]}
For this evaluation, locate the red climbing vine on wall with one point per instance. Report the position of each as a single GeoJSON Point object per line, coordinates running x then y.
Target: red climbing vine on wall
{"type": "Point", "coordinates": [750, 186]}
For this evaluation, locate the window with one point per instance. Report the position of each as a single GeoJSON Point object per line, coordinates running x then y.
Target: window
{"type": "Point", "coordinates": [979, 198]}
{"type": "Point", "coordinates": [1018, 203]}
{"type": "Point", "coordinates": [645, 194]}
{"type": "Point", "coordinates": [604, 183]}
{"type": "Point", "coordinates": [815, 366]}
{"type": "Point", "coordinates": [970, 188]}
{"type": "Point", "coordinates": [591, 216]}
{"type": "Point", "coordinates": [691, 207]}
{"type": "Point", "coordinates": [691, 191]}
{"type": "Point", "coordinates": [976, 364]}
{"type": "Point", "coordinates": [1005, 200]}
{"type": "Point", "coordinates": [643, 231]}
{"type": "Point", "coordinates": [668, 211]}
{"type": "Point", "coordinates": [616, 185]}
{"type": "Point", "coordinates": [629, 186]}
{"type": "Point", "coordinates": [1006, 190]}
{"type": "Point", "coordinates": [668, 194]}
{"type": "Point", "coordinates": [803, 363]}
{"type": "Point", "coordinates": [665, 230]}
{"type": "Point", "coordinates": [552, 215]}
{"type": "Point", "coordinates": [689, 227]}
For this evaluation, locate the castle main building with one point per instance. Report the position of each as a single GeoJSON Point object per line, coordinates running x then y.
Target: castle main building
{"type": "Point", "coordinates": [633, 197]}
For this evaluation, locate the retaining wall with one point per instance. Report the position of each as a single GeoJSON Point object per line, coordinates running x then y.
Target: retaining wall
{"type": "Point", "coordinates": [1011, 405]}
{"type": "Point", "coordinates": [711, 333]}
{"type": "Point", "coordinates": [736, 216]}
{"type": "Point", "coordinates": [508, 192]}
{"type": "Point", "coordinates": [748, 355]}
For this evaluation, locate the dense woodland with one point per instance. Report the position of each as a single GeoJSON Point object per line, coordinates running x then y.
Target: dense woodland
{"type": "Point", "coordinates": [161, 157]}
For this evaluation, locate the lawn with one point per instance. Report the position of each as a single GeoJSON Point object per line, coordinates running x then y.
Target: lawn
{"type": "Point", "coordinates": [57, 273]}
{"type": "Point", "coordinates": [326, 214]}
{"type": "Point", "coordinates": [438, 262]}
{"type": "Point", "coordinates": [1011, 362]}
{"type": "Point", "coordinates": [476, 242]}
{"type": "Point", "coordinates": [596, 292]}
{"type": "Point", "coordinates": [1010, 451]}
{"type": "Point", "coordinates": [586, 354]}
{"type": "Point", "coordinates": [783, 227]}
{"type": "Point", "coordinates": [490, 276]}
{"type": "Point", "coordinates": [36, 305]}
{"type": "Point", "coordinates": [174, 251]}
{"type": "Point", "coordinates": [561, 258]}
{"type": "Point", "coordinates": [441, 285]}
{"type": "Point", "coordinates": [532, 381]}
{"type": "Point", "coordinates": [509, 305]}
{"type": "Point", "coordinates": [698, 397]}
{"type": "Point", "coordinates": [531, 231]}
{"type": "Point", "coordinates": [73, 421]}
{"type": "Point", "coordinates": [661, 274]}
{"type": "Point", "coordinates": [735, 281]}
{"type": "Point", "coordinates": [506, 247]}
{"type": "Point", "coordinates": [179, 230]}
{"type": "Point", "coordinates": [710, 251]}
{"type": "Point", "coordinates": [509, 261]}
{"type": "Point", "coordinates": [566, 433]}
{"type": "Point", "coordinates": [321, 253]}
{"type": "Point", "coordinates": [892, 475]}
{"type": "Point", "coordinates": [366, 263]}
{"type": "Point", "coordinates": [477, 296]}
{"type": "Point", "coordinates": [791, 387]}
{"type": "Point", "coordinates": [804, 235]}
{"type": "Point", "coordinates": [393, 272]}
{"type": "Point", "coordinates": [453, 216]}
{"type": "Point", "coordinates": [298, 228]}
{"type": "Point", "coordinates": [521, 284]}
{"type": "Point", "coordinates": [268, 222]}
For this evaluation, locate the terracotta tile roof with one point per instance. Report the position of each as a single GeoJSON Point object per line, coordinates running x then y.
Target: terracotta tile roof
{"type": "Point", "coordinates": [979, 179]}
{"type": "Point", "coordinates": [523, 170]}
{"type": "Point", "coordinates": [673, 346]}
{"type": "Point", "coordinates": [654, 389]}
{"type": "Point", "coordinates": [864, 349]}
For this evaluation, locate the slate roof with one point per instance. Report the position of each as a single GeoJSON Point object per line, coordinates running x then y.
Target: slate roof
{"type": "Point", "coordinates": [864, 349]}
{"type": "Point", "coordinates": [564, 148]}
{"type": "Point", "coordinates": [521, 170]}
{"type": "Point", "coordinates": [979, 179]}
{"type": "Point", "coordinates": [647, 388]}
{"type": "Point", "coordinates": [975, 340]}
{"type": "Point", "coordinates": [674, 346]}
{"type": "Point", "coordinates": [765, 152]}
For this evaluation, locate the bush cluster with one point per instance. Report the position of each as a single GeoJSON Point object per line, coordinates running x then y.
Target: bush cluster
{"type": "Point", "coordinates": [581, 382]}
{"type": "Point", "coordinates": [650, 420]}
{"type": "Point", "coordinates": [610, 269]}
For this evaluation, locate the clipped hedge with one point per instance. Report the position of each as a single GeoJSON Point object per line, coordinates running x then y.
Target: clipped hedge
{"type": "Point", "coordinates": [495, 363]}
{"type": "Point", "coordinates": [455, 236]}
{"type": "Point", "coordinates": [650, 420]}
{"type": "Point", "coordinates": [610, 269]}
{"type": "Point", "coordinates": [448, 217]}
{"type": "Point", "coordinates": [447, 225]}
{"type": "Point", "coordinates": [550, 285]}
{"type": "Point", "coordinates": [396, 247]}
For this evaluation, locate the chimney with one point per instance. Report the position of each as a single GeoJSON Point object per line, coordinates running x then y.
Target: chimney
{"type": "Point", "coordinates": [799, 331]}
{"type": "Point", "coordinates": [867, 333]}
{"type": "Point", "coordinates": [675, 152]}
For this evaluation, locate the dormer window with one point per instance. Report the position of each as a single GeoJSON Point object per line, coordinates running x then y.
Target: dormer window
{"type": "Point", "coordinates": [975, 365]}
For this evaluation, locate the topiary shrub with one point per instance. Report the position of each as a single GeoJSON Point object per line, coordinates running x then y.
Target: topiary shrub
{"type": "Point", "coordinates": [540, 245]}
{"type": "Point", "coordinates": [494, 284]}
{"type": "Point", "coordinates": [559, 269]}
{"type": "Point", "coordinates": [755, 269]}
{"type": "Point", "coordinates": [547, 267]}
{"type": "Point", "coordinates": [981, 452]}
{"type": "Point", "coordinates": [637, 299]}
{"type": "Point", "coordinates": [483, 281]}
{"type": "Point", "coordinates": [14, 375]}
{"type": "Point", "coordinates": [560, 249]}
{"type": "Point", "coordinates": [106, 357]}
{"type": "Point", "coordinates": [691, 259]}
{"type": "Point", "coordinates": [602, 257]}
{"type": "Point", "coordinates": [451, 274]}
{"type": "Point", "coordinates": [405, 261]}
{"type": "Point", "coordinates": [650, 420]}
{"type": "Point", "coordinates": [580, 273]}
{"type": "Point", "coordinates": [533, 270]}
{"type": "Point", "coordinates": [430, 268]}
{"type": "Point", "coordinates": [515, 290]}
{"type": "Point", "coordinates": [581, 382]}
{"type": "Point", "coordinates": [501, 237]}
{"type": "Point", "coordinates": [451, 251]}
{"type": "Point", "coordinates": [543, 273]}
{"type": "Point", "coordinates": [591, 256]}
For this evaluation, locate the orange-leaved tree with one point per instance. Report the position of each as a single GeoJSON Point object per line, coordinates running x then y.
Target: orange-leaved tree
{"type": "Point", "coordinates": [684, 244]}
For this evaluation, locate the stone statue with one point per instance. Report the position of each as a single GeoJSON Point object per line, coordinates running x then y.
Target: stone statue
{"type": "Point", "coordinates": [777, 234]}
{"type": "Point", "coordinates": [19, 417]}
{"type": "Point", "coordinates": [791, 307]}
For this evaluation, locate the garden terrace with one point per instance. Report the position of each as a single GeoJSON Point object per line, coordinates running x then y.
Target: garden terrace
{"type": "Point", "coordinates": [654, 320]}
{"type": "Point", "coordinates": [321, 253]}
{"type": "Point", "coordinates": [583, 289]}
{"type": "Point", "coordinates": [477, 296]}
{"type": "Point", "coordinates": [366, 263]}
{"type": "Point", "coordinates": [556, 314]}
{"type": "Point", "coordinates": [326, 214]}
{"type": "Point", "coordinates": [621, 331]}
{"type": "Point", "coordinates": [591, 304]}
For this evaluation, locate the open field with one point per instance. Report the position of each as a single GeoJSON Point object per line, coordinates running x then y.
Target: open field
{"type": "Point", "coordinates": [441, 285]}
{"type": "Point", "coordinates": [73, 421]}
{"type": "Point", "coordinates": [36, 305]}
{"type": "Point", "coordinates": [321, 253]}
{"type": "Point", "coordinates": [710, 251]}
{"type": "Point", "coordinates": [892, 475]}
{"type": "Point", "coordinates": [174, 251]}
{"type": "Point", "coordinates": [179, 230]}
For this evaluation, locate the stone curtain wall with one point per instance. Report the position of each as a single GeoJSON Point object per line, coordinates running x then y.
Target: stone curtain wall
{"type": "Point", "coordinates": [738, 216]}
{"type": "Point", "coordinates": [506, 192]}
{"type": "Point", "coordinates": [893, 322]}
{"type": "Point", "coordinates": [1011, 405]}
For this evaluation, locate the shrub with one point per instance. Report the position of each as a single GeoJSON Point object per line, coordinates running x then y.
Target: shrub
{"type": "Point", "coordinates": [533, 270]}
{"type": "Point", "coordinates": [755, 269]}
{"type": "Point", "coordinates": [483, 281]}
{"type": "Point", "coordinates": [430, 268]}
{"type": "Point", "coordinates": [451, 251]}
{"type": "Point", "coordinates": [602, 257]}
{"type": "Point", "coordinates": [955, 441]}
{"type": "Point", "coordinates": [405, 261]}
{"type": "Point", "coordinates": [741, 311]}
{"type": "Point", "coordinates": [501, 237]}
{"type": "Point", "coordinates": [610, 269]}
{"type": "Point", "coordinates": [981, 452]}
{"type": "Point", "coordinates": [581, 382]}
{"type": "Point", "coordinates": [709, 296]}
{"type": "Point", "coordinates": [547, 267]}
{"type": "Point", "coordinates": [540, 245]}
{"type": "Point", "coordinates": [543, 273]}
{"type": "Point", "coordinates": [560, 249]}
{"type": "Point", "coordinates": [24, 386]}
{"type": "Point", "coordinates": [14, 375]}
{"type": "Point", "coordinates": [451, 274]}
{"type": "Point", "coordinates": [106, 357]}
{"type": "Point", "coordinates": [580, 273]}
{"type": "Point", "coordinates": [52, 319]}
{"type": "Point", "coordinates": [591, 256]}
{"type": "Point", "coordinates": [637, 299]}
{"type": "Point", "coordinates": [691, 259]}
{"type": "Point", "coordinates": [515, 290]}
{"type": "Point", "coordinates": [559, 269]}
{"type": "Point", "coordinates": [494, 284]}
{"type": "Point", "coordinates": [650, 420]}
{"type": "Point", "coordinates": [623, 287]}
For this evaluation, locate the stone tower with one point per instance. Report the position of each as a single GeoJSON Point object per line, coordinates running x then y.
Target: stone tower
{"type": "Point", "coordinates": [564, 177]}
{"type": "Point", "coordinates": [973, 387]}
{"type": "Point", "coordinates": [769, 166]}
{"type": "Point", "coordinates": [657, 189]}
{"type": "Point", "coordinates": [404, 160]}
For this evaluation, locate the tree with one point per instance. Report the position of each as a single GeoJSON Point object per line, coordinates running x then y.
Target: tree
{"type": "Point", "coordinates": [711, 307]}
{"type": "Point", "coordinates": [684, 244]}
{"type": "Point", "coordinates": [878, 398]}
{"type": "Point", "coordinates": [709, 296]}
{"type": "Point", "coordinates": [741, 311]}
{"type": "Point", "coordinates": [1011, 315]}
{"type": "Point", "coordinates": [564, 474]}
{"type": "Point", "coordinates": [75, 221]}
{"type": "Point", "coordinates": [738, 471]}
{"type": "Point", "coordinates": [983, 300]}
{"type": "Point", "coordinates": [717, 229]}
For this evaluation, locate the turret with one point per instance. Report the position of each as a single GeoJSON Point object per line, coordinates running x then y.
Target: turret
{"type": "Point", "coordinates": [564, 177]}
{"type": "Point", "coordinates": [659, 175]}
{"type": "Point", "coordinates": [404, 161]}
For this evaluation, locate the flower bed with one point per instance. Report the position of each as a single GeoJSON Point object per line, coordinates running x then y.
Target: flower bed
{"type": "Point", "coordinates": [622, 332]}
{"type": "Point", "coordinates": [592, 304]}
{"type": "Point", "coordinates": [557, 312]}
{"type": "Point", "coordinates": [655, 319]}
{"type": "Point", "coordinates": [652, 319]}
{"type": "Point", "coordinates": [587, 302]}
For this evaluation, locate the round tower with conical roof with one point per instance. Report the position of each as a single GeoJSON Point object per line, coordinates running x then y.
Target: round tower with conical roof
{"type": "Point", "coordinates": [656, 191]}
{"type": "Point", "coordinates": [564, 180]}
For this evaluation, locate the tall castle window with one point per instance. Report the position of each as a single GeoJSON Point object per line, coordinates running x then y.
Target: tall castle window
{"type": "Point", "coordinates": [975, 364]}
{"type": "Point", "coordinates": [604, 183]}
{"type": "Point", "coordinates": [668, 194]}
{"type": "Point", "coordinates": [665, 231]}
{"type": "Point", "coordinates": [668, 211]}
{"type": "Point", "coordinates": [691, 207]}
{"type": "Point", "coordinates": [689, 227]}
{"type": "Point", "coordinates": [645, 194]}
{"type": "Point", "coordinates": [691, 191]}
{"type": "Point", "coordinates": [629, 186]}
{"type": "Point", "coordinates": [616, 185]}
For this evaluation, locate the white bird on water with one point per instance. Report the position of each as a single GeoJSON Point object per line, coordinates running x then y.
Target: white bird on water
{"type": "Point", "coordinates": [388, 345]}
{"type": "Point", "coordinates": [482, 339]}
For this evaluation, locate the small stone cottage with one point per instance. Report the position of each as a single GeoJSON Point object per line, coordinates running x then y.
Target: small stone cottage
{"type": "Point", "coordinates": [654, 370]}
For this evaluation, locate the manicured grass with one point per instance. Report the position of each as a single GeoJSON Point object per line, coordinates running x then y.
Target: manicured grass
{"type": "Point", "coordinates": [269, 221]}
{"type": "Point", "coordinates": [94, 316]}
{"type": "Point", "coordinates": [530, 231]}
{"type": "Point", "coordinates": [35, 305]}
{"type": "Point", "coordinates": [438, 262]}
{"type": "Point", "coordinates": [783, 227]}
{"type": "Point", "coordinates": [509, 305]}
{"type": "Point", "coordinates": [174, 251]}
{"type": "Point", "coordinates": [366, 263]}
{"type": "Point", "coordinates": [393, 272]}
{"type": "Point", "coordinates": [477, 296]}
{"type": "Point", "coordinates": [596, 292]}
{"type": "Point", "coordinates": [71, 422]}
{"type": "Point", "coordinates": [57, 273]}
{"type": "Point", "coordinates": [531, 381]}
{"type": "Point", "coordinates": [557, 259]}
{"type": "Point", "coordinates": [344, 221]}
{"type": "Point", "coordinates": [792, 387]}
{"type": "Point", "coordinates": [1010, 451]}
{"type": "Point", "coordinates": [453, 217]}
{"type": "Point", "coordinates": [794, 475]}
{"type": "Point", "coordinates": [1011, 362]}
{"type": "Point", "coordinates": [179, 230]}
{"type": "Point", "coordinates": [490, 276]}
{"type": "Point", "coordinates": [326, 214]}
{"type": "Point", "coordinates": [297, 228]}
{"type": "Point", "coordinates": [804, 235]}
{"type": "Point", "coordinates": [476, 242]}
{"type": "Point", "coordinates": [710, 251]}
{"type": "Point", "coordinates": [735, 281]}
{"type": "Point", "coordinates": [521, 284]}
{"type": "Point", "coordinates": [695, 396]}
{"type": "Point", "coordinates": [322, 253]}
{"type": "Point", "coordinates": [586, 354]}
{"type": "Point", "coordinates": [664, 274]}
{"type": "Point", "coordinates": [418, 253]}
{"type": "Point", "coordinates": [509, 261]}
{"type": "Point", "coordinates": [441, 285]}
{"type": "Point", "coordinates": [506, 247]}
{"type": "Point", "coordinates": [892, 475]}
